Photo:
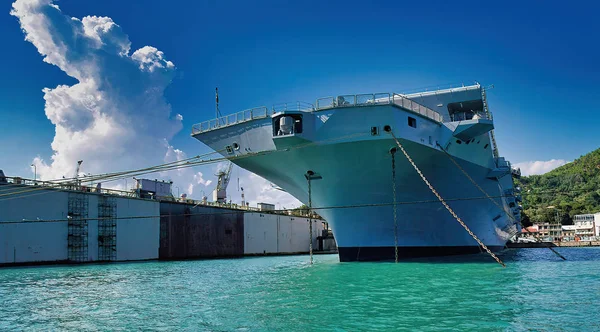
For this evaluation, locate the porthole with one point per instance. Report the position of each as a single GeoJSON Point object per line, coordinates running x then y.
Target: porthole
{"type": "Point", "coordinates": [458, 141]}
{"type": "Point", "coordinates": [485, 146]}
{"type": "Point", "coordinates": [235, 146]}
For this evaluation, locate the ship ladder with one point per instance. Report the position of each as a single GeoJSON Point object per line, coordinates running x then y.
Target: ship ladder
{"type": "Point", "coordinates": [493, 200]}
{"type": "Point", "coordinates": [439, 197]}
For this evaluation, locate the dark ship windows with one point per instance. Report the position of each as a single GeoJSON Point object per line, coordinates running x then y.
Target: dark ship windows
{"type": "Point", "coordinates": [465, 110]}
{"type": "Point", "coordinates": [229, 149]}
{"type": "Point", "coordinates": [458, 141]}
{"type": "Point", "coordinates": [485, 146]}
{"type": "Point", "coordinates": [374, 131]}
{"type": "Point", "coordinates": [412, 122]}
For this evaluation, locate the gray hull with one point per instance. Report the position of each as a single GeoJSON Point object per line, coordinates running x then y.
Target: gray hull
{"type": "Point", "coordinates": [355, 194]}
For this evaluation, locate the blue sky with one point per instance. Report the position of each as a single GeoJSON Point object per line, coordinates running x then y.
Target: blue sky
{"type": "Point", "coordinates": [541, 56]}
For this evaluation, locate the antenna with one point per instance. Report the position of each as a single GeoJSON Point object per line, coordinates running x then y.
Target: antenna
{"type": "Point", "coordinates": [218, 113]}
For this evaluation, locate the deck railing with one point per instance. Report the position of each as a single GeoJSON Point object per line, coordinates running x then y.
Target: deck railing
{"type": "Point", "coordinates": [369, 99]}
{"type": "Point", "coordinates": [26, 186]}
{"type": "Point", "coordinates": [415, 107]}
{"type": "Point", "coordinates": [228, 120]}
{"type": "Point", "coordinates": [378, 99]}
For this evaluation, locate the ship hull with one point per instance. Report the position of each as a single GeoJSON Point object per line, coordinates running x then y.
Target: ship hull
{"type": "Point", "coordinates": [355, 196]}
{"type": "Point", "coordinates": [348, 150]}
{"type": "Point", "coordinates": [365, 254]}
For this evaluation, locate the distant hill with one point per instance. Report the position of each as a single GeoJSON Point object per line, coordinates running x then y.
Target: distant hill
{"type": "Point", "coordinates": [570, 189]}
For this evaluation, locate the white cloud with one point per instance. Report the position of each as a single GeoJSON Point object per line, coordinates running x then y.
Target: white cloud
{"type": "Point", "coordinates": [116, 116]}
{"type": "Point", "coordinates": [539, 167]}
{"type": "Point", "coordinates": [259, 190]}
{"type": "Point", "coordinates": [198, 178]}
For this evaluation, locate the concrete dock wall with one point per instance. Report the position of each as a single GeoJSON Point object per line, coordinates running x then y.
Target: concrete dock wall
{"type": "Point", "coordinates": [278, 234]}
{"type": "Point", "coordinates": [188, 231]}
{"type": "Point", "coordinates": [33, 242]}
{"type": "Point", "coordinates": [71, 226]}
{"type": "Point", "coordinates": [137, 238]}
{"type": "Point", "coordinates": [34, 227]}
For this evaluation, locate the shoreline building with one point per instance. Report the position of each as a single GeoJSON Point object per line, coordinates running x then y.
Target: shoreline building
{"type": "Point", "coordinates": [587, 225]}
{"type": "Point", "coordinates": [550, 230]}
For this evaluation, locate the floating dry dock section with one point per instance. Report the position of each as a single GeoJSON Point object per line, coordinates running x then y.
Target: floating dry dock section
{"type": "Point", "coordinates": [189, 231]}
{"type": "Point", "coordinates": [75, 225]}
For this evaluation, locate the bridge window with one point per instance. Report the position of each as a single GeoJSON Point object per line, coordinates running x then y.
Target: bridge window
{"type": "Point", "coordinates": [465, 110]}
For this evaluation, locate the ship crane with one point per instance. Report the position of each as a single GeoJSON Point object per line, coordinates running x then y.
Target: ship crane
{"type": "Point", "coordinates": [220, 192]}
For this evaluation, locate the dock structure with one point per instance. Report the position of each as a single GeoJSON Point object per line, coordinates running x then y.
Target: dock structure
{"type": "Point", "coordinates": [198, 231]}
{"type": "Point", "coordinates": [76, 224]}
{"type": "Point", "coordinates": [553, 244]}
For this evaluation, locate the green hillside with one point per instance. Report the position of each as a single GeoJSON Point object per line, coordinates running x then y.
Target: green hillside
{"type": "Point", "coordinates": [570, 189]}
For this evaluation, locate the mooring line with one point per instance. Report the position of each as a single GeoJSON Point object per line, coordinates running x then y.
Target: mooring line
{"type": "Point", "coordinates": [493, 200]}
{"type": "Point", "coordinates": [439, 197]}
{"type": "Point", "coordinates": [393, 153]}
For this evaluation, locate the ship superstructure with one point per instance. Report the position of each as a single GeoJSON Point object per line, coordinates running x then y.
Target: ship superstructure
{"type": "Point", "coordinates": [346, 146]}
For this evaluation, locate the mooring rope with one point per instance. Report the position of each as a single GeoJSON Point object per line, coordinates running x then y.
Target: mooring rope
{"type": "Point", "coordinates": [439, 197]}
{"type": "Point", "coordinates": [493, 200]}
{"type": "Point", "coordinates": [393, 153]}
{"type": "Point", "coordinates": [310, 247]}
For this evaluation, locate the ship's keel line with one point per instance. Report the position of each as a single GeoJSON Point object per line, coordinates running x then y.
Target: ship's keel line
{"type": "Point", "coordinates": [354, 254]}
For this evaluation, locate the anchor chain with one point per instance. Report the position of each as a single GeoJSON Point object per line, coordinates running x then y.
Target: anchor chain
{"type": "Point", "coordinates": [393, 152]}
{"type": "Point", "coordinates": [491, 199]}
{"type": "Point", "coordinates": [310, 246]}
{"type": "Point", "coordinates": [439, 197]}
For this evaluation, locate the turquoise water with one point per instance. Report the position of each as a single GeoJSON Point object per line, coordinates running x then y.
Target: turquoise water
{"type": "Point", "coordinates": [536, 291]}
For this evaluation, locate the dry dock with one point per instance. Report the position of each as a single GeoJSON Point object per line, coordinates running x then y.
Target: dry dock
{"type": "Point", "coordinates": [79, 225]}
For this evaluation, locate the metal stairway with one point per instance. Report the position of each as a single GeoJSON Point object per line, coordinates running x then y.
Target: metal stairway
{"type": "Point", "coordinates": [77, 238]}
{"type": "Point", "coordinates": [107, 228]}
{"type": "Point", "coordinates": [489, 116]}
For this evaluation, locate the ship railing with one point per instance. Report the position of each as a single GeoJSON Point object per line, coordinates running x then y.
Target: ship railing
{"type": "Point", "coordinates": [232, 119]}
{"type": "Point", "coordinates": [434, 88]}
{"type": "Point", "coordinates": [72, 185]}
{"type": "Point", "coordinates": [469, 115]}
{"type": "Point", "coordinates": [368, 99]}
{"type": "Point", "coordinates": [415, 107]}
{"type": "Point", "coordinates": [371, 99]}
{"type": "Point", "coordinates": [293, 106]}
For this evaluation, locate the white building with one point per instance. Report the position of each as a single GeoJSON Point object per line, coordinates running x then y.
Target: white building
{"type": "Point", "coordinates": [587, 225]}
{"type": "Point", "coordinates": [265, 207]}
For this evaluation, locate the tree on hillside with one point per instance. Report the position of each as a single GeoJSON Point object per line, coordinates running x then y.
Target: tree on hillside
{"type": "Point", "coordinates": [571, 189]}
